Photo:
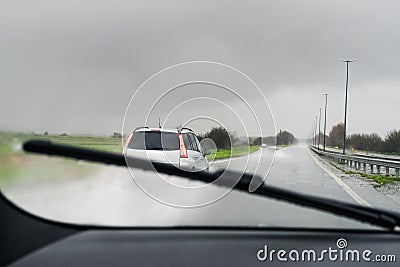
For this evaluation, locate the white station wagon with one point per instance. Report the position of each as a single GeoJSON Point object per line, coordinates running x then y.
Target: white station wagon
{"type": "Point", "coordinates": [179, 147]}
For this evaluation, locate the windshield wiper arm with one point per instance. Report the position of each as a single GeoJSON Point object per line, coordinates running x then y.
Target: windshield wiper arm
{"type": "Point", "coordinates": [379, 217]}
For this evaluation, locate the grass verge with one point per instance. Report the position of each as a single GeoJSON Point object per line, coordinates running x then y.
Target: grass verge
{"type": "Point", "coordinates": [379, 179]}
{"type": "Point", "coordinates": [282, 146]}
{"type": "Point", "coordinates": [235, 151]}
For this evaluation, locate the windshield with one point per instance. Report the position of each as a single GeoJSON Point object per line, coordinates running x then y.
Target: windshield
{"type": "Point", "coordinates": [303, 94]}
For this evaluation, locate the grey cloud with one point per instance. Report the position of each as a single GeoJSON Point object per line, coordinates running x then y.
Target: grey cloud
{"type": "Point", "coordinates": [72, 66]}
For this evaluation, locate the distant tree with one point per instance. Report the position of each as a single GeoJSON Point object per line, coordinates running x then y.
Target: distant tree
{"type": "Point", "coordinates": [375, 142]}
{"type": "Point", "coordinates": [336, 135]}
{"type": "Point", "coordinates": [234, 139]}
{"type": "Point", "coordinates": [285, 138]}
{"type": "Point", "coordinates": [270, 140]}
{"type": "Point", "coordinates": [356, 141]}
{"type": "Point", "coordinates": [116, 135]}
{"type": "Point", "coordinates": [63, 134]}
{"type": "Point", "coordinates": [368, 142]}
{"type": "Point", "coordinates": [46, 133]}
{"type": "Point", "coordinates": [255, 141]}
{"type": "Point", "coordinates": [392, 141]}
{"type": "Point", "coordinates": [221, 137]}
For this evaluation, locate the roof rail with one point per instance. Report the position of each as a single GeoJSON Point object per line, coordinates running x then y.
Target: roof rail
{"type": "Point", "coordinates": [145, 127]}
{"type": "Point", "coordinates": [184, 128]}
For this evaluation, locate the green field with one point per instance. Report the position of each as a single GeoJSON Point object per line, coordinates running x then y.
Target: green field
{"type": "Point", "coordinates": [282, 146]}
{"type": "Point", "coordinates": [109, 144]}
{"type": "Point", "coordinates": [235, 151]}
{"type": "Point", "coordinates": [8, 140]}
{"type": "Point", "coordinates": [16, 165]}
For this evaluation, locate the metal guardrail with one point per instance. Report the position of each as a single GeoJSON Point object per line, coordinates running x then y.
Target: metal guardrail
{"type": "Point", "coordinates": [377, 157]}
{"type": "Point", "coordinates": [362, 161]}
{"type": "Point", "coordinates": [367, 155]}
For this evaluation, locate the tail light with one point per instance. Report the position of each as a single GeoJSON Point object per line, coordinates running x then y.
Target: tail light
{"type": "Point", "coordinates": [182, 147]}
{"type": "Point", "coordinates": [127, 143]}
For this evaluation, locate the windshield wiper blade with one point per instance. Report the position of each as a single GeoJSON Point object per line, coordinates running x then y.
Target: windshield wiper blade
{"type": "Point", "coordinates": [374, 216]}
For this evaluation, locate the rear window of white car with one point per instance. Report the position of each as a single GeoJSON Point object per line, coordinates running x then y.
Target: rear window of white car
{"type": "Point", "coordinates": [154, 140]}
{"type": "Point", "coordinates": [190, 141]}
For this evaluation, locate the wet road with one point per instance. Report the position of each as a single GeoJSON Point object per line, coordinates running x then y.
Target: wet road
{"type": "Point", "coordinates": [111, 197]}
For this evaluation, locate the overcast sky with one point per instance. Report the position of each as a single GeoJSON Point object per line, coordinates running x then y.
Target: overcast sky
{"type": "Point", "coordinates": [72, 66]}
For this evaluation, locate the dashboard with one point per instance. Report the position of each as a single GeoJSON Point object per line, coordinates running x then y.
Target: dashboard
{"type": "Point", "coordinates": [218, 247]}
{"type": "Point", "coordinates": [27, 240]}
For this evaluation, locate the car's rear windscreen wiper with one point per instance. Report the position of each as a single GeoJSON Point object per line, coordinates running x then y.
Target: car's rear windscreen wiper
{"type": "Point", "coordinates": [379, 217]}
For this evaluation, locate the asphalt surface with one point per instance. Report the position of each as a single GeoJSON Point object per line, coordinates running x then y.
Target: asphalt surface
{"type": "Point", "coordinates": [110, 196]}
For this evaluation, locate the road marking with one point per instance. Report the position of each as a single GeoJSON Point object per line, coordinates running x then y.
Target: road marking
{"type": "Point", "coordinates": [344, 186]}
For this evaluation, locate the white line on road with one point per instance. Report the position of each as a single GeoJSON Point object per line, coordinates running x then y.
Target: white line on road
{"type": "Point", "coordinates": [344, 186]}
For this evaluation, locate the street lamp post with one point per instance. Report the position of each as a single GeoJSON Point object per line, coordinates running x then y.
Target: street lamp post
{"type": "Point", "coordinates": [312, 134]}
{"type": "Point", "coordinates": [319, 128]}
{"type": "Point", "coordinates": [325, 110]}
{"type": "Point", "coordinates": [347, 61]}
{"type": "Point", "coordinates": [315, 132]}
